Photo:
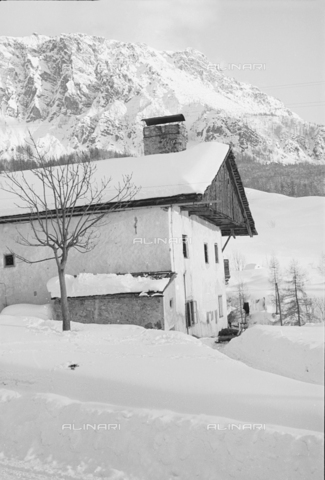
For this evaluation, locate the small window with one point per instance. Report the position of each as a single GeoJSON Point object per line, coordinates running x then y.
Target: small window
{"type": "Point", "coordinates": [185, 246]}
{"type": "Point", "coordinates": [9, 260]}
{"type": "Point", "coordinates": [220, 306]}
{"type": "Point", "coordinates": [191, 313]}
{"type": "Point", "coordinates": [227, 270]}
{"type": "Point", "coordinates": [216, 252]}
{"type": "Point", "coordinates": [206, 253]}
{"type": "Point", "coordinates": [209, 317]}
{"type": "Point", "coordinates": [171, 303]}
{"type": "Point", "coordinates": [216, 315]}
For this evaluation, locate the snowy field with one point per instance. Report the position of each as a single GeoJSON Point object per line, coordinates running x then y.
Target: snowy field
{"type": "Point", "coordinates": [287, 227]}
{"type": "Point", "coordinates": [77, 403]}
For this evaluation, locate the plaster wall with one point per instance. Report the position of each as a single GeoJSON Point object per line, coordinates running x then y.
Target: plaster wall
{"type": "Point", "coordinates": [197, 280]}
{"type": "Point", "coordinates": [132, 241]}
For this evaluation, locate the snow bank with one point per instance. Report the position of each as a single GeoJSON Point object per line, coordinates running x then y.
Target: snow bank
{"type": "Point", "coordinates": [140, 404]}
{"type": "Point", "coordinates": [86, 284]}
{"type": "Point", "coordinates": [295, 352]}
{"type": "Point", "coordinates": [103, 440]}
{"type": "Point", "coordinates": [140, 368]}
{"type": "Point", "coordinates": [29, 310]}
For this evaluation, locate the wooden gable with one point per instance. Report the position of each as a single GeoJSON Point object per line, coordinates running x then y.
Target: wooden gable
{"type": "Point", "coordinates": [224, 202]}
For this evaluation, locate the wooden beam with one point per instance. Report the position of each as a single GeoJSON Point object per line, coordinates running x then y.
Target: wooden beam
{"type": "Point", "coordinates": [232, 234]}
{"type": "Point", "coordinates": [226, 243]}
{"type": "Point", "coordinates": [232, 175]}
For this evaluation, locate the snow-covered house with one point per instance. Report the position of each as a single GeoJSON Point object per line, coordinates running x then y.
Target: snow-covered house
{"type": "Point", "coordinates": [190, 203]}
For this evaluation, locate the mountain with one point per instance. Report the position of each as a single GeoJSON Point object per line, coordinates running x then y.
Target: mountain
{"type": "Point", "coordinates": [85, 92]}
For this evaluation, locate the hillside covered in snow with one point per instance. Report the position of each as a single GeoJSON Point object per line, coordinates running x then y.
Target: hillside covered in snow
{"type": "Point", "coordinates": [80, 92]}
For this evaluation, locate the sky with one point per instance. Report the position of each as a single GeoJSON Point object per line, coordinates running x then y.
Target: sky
{"type": "Point", "coordinates": [275, 45]}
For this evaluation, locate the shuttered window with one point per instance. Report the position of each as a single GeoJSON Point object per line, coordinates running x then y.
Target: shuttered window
{"type": "Point", "coordinates": [206, 253]}
{"type": "Point", "coordinates": [191, 313]}
{"type": "Point", "coordinates": [216, 252]}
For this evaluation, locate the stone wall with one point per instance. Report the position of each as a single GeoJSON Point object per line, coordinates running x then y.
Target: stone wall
{"type": "Point", "coordinates": [164, 138]}
{"type": "Point", "coordinates": [115, 309]}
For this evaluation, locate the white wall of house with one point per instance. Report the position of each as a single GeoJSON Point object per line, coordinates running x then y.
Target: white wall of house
{"type": "Point", "coordinates": [196, 279]}
{"type": "Point", "coordinates": [132, 241]}
{"type": "Point", "coordinates": [139, 240]}
{"type": "Point", "coordinates": [169, 305]}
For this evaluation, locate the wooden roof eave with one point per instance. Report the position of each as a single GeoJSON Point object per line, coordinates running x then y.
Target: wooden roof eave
{"type": "Point", "coordinates": [240, 191]}
{"type": "Point", "coordinates": [187, 198]}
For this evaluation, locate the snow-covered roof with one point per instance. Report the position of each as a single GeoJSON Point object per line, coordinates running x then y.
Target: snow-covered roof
{"type": "Point", "coordinates": [88, 284]}
{"type": "Point", "coordinates": [163, 175]}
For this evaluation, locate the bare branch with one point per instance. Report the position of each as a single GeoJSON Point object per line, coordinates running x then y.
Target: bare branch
{"type": "Point", "coordinates": [53, 197]}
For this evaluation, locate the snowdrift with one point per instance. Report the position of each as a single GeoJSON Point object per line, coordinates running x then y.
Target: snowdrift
{"type": "Point", "coordinates": [105, 443]}
{"type": "Point", "coordinates": [198, 413]}
{"type": "Point", "coordinates": [295, 352]}
{"type": "Point", "coordinates": [44, 312]}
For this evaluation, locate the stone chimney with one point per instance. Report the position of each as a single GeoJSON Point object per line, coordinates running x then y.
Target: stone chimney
{"type": "Point", "coordinates": [164, 134]}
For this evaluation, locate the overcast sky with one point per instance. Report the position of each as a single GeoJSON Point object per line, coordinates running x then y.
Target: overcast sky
{"type": "Point", "coordinates": [286, 36]}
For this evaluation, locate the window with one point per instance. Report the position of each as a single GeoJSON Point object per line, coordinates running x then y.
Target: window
{"type": "Point", "coordinates": [191, 313]}
{"type": "Point", "coordinates": [171, 303]}
{"type": "Point", "coordinates": [220, 306]}
{"type": "Point", "coordinates": [206, 254]}
{"type": "Point", "coordinates": [227, 270]}
{"type": "Point", "coordinates": [209, 317]}
{"type": "Point", "coordinates": [9, 260]}
{"type": "Point", "coordinates": [216, 315]}
{"type": "Point", "coordinates": [185, 246]}
{"type": "Point", "coordinates": [216, 252]}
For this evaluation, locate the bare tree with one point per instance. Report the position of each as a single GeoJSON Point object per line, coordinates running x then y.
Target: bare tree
{"type": "Point", "coordinates": [275, 277]}
{"type": "Point", "coordinates": [295, 297]}
{"type": "Point", "coordinates": [321, 264]}
{"type": "Point", "coordinates": [318, 309]}
{"type": "Point", "coordinates": [64, 206]}
{"type": "Point", "coordinates": [238, 260]}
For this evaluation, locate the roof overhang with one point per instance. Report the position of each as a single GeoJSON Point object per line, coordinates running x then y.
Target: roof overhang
{"type": "Point", "coordinates": [192, 203]}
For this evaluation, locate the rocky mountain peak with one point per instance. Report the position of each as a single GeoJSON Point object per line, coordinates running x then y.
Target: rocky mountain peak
{"type": "Point", "coordinates": [77, 91]}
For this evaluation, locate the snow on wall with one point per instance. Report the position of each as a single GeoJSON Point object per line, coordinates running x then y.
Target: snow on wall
{"type": "Point", "coordinates": [297, 352]}
{"type": "Point", "coordinates": [190, 171]}
{"type": "Point", "coordinates": [87, 284]}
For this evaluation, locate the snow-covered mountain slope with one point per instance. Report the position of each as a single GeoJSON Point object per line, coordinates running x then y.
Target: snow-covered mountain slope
{"type": "Point", "coordinates": [77, 91]}
{"type": "Point", "coordinates": [288, 228]}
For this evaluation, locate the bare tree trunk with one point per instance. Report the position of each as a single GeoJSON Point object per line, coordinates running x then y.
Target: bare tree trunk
{"type": "Point", "coordinates": [279, 302]}
{"type": "Point", "coordinates": [297, 301]}
{"type": "Point", "coordinates": [64, 300]}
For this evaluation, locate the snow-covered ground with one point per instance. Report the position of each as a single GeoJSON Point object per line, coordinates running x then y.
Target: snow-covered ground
{"type": "Point", "coordinates": [123, 402]}
{"type": "Point", "coordinates": [295, 352]}
{"type": "Point", "coordinates": [287, 227]}
{"type": "Point", "coordinates": [44, 312]}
